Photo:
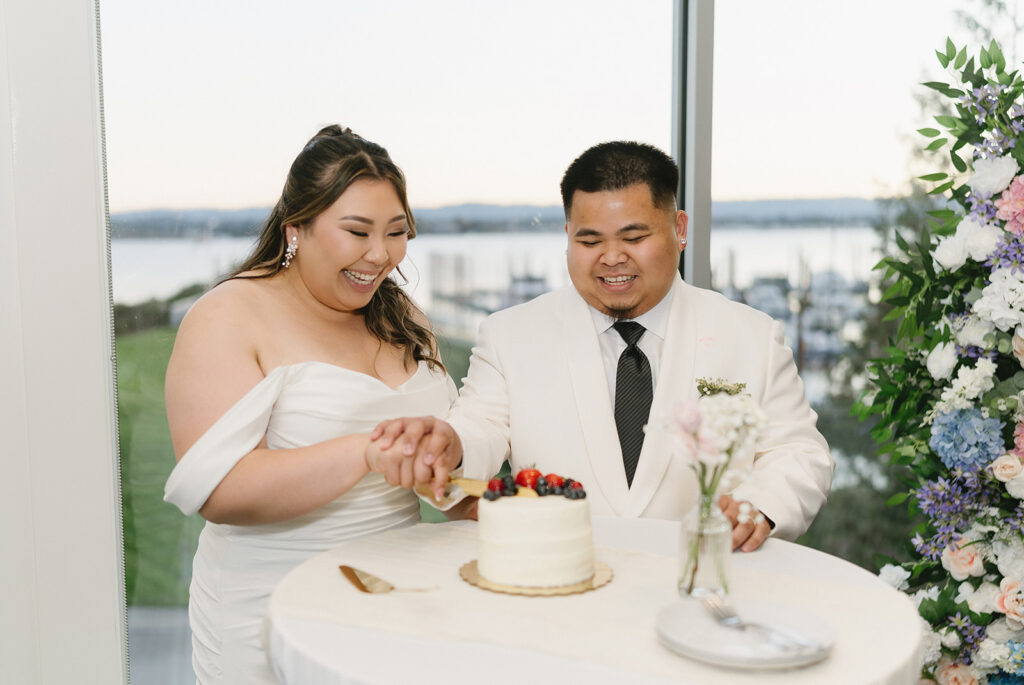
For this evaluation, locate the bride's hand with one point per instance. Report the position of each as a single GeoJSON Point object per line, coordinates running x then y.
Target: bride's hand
{"type": "Point", "coordinates": [434, 444]}
{"type": "Point", "coordinates": [397, 467]}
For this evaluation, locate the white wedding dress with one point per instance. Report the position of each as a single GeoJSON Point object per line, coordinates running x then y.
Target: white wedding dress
{"type": "Point", "coordinates": [236, 567]}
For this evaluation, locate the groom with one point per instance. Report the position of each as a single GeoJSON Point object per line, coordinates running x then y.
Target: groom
{"type": "Point", "coordinates": [567, 381]}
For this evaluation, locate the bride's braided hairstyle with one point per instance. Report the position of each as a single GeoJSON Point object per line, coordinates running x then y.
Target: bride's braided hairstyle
{"type": "Point", "coordinates": [329, 163]}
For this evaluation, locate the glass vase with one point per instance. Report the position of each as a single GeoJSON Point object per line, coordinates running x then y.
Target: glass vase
{"type": "Point", "coordinates": [704, 551]}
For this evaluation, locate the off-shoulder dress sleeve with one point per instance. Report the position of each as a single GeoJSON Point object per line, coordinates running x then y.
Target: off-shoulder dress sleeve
{"type": "Point", "coordinates": [215, 453]}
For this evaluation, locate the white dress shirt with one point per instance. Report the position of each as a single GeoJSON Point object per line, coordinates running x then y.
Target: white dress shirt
{"type": "Point", "coordinates": [655, 320]}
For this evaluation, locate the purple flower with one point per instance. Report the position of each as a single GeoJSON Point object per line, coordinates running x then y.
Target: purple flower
{"type": "Point", "coordinates": [971, 635]}
{"type": "Point", "coordinates": [1015, 521]}
{"type": "Point", "coordinates": [981, 208]}
{"type": "Point", "coordinates": [1009, 254]}
{"type": "Point", "coordinates": [952, 504]}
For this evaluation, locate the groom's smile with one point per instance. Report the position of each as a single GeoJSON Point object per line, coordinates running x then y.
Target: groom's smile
{"type": "Point", "coordinates": [623, 249]}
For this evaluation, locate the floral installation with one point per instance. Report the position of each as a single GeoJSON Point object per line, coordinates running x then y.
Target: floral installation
{"type": "Point", "coordinates": [949, 395]}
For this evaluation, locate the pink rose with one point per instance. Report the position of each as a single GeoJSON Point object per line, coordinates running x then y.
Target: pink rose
{"type": "Point", "coordinates": [1010, 206]}
{"type": "Point", "coordinates": [1018, 436]}
{"type": "Point", "coordinates": [963, 559]}
{"type": "Point", "coordinates": [687, 415]}
{"type": "Point", "coordinates": [1010, 601]}
{"type": "Point", "coordinates": [1006, 467]}
{"type": "Point", "coordinates": [1018, 347]}
{"type": "Point", "coordinates": [949, 673]}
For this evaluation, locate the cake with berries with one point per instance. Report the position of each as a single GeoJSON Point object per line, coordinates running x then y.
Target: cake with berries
{"type": "Point", "coordinates": [535, 531]}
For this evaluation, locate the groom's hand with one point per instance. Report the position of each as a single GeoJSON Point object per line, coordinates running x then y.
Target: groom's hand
{"type": "Point", "coordinates": [431, 443]}
{"type": "Point", "coordinates": [750, 528]}
{"type": "Point", "coordinates": [397, 467]}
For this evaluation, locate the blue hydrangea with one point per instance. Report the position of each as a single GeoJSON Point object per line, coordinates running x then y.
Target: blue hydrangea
{"type": "Point", "coordinates": [964, 439]}
{"type": "Point", "coordinates": [1015, 668]}
{"type": "Point", "coordinates": [1005, 679]}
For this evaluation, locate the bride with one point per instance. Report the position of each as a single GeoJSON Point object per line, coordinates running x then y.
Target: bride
{"type": "Point", "coordinates": [277, 377]}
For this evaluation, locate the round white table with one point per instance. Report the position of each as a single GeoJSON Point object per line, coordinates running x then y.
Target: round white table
{"type": "Point", "coordinates": [321, 631]}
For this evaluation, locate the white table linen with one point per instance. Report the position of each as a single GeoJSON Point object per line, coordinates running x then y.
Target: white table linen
{"type": "Point", "coordinates": [321, 631]}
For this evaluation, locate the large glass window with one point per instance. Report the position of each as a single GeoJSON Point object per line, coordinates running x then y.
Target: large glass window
{"type": "Point", "coordinates": [482, 104]}
{"type": "Point", "coordinates": [815, 112]}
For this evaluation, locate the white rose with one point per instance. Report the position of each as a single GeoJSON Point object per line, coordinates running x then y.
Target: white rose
{"type": "Point", "coordinates": [949, 637]}
{"type": "Point", "coordinates": [963, 559]}
{"type": "Point", "coordinates": [972, 331]}
{"type": "Point", "coordinates": [1009, 557]}
{"type": "Point", "coordinates": [928, 593]}
{"type": "Point", "coordinates": [1000, 631]}
{"type": "Point", "coordinates": [1015, 486]}
{"type": "Point", "coordinates": [982, 600]}
{"type": "Point", "coordinates": [992, 652]}
{"type": "Point", "coordinates": [980, 239]}
{"type": "Point", "coordinates": [930, 644]}
{"type": "Point", "coordinates": [951, 252]}
{"type": "Point", "coordinates": [895, 576]}
{"type": "Point", "coordinates": [1006, 467]}
{"type": "Point", "coordinates": [991, 176]}
{"type": "Point", "coordinates": [942, 360]}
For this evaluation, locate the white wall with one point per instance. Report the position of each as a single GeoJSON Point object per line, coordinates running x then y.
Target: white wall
{"type": "Point", "coordinates": [61, 619]}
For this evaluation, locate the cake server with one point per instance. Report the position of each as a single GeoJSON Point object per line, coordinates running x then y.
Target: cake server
{"type": "Point", "coordinates": [469, 486]}
{"type": "Point", "coordinates": [367, 582]}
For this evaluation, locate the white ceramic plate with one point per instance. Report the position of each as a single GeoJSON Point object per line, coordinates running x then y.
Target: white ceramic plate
{"type": "Point", "coordinates": [687, 628]}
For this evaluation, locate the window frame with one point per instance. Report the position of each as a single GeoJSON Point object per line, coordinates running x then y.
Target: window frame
{"type": "Point", "coordinates": [60, 497]}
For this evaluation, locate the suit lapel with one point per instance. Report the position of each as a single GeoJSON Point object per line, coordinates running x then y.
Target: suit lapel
{"type": "Point", "coordinates": [593, 401]}
{"type": "Point", "coordinates": [675, 382]}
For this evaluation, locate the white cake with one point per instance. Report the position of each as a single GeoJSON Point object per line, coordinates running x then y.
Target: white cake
{"type": "Point", "coordinates": [535, 541]}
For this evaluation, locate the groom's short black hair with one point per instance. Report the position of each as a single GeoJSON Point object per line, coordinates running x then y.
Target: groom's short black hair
{"type": "Point", "coordinates": [619, 164]}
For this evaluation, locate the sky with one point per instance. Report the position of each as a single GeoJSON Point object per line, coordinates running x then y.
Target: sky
{"type": "Point", "coordinates": [207, 103]}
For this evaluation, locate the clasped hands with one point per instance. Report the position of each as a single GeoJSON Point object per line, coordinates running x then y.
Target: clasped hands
{"type": "Point", "coordinates": [424, 450]}
{"type": "Point", "coordinates": [414, 451]}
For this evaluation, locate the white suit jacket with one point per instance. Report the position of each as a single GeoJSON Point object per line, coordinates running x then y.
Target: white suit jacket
{"type": "Point", "coordinates": [536, 393]}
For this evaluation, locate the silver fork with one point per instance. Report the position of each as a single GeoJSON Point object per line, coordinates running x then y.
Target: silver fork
{"type": "Point", "coordinates": [721, 608]}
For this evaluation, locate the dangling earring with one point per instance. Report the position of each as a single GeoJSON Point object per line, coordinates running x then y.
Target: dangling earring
{"type": "Point", "coordinates": [290, 251]}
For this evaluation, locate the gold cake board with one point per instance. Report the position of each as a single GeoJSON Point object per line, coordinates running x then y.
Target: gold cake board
{"type": "Point", "coordinates": [602, 576]}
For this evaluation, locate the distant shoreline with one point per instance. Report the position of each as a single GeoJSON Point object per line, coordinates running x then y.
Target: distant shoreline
{"type": "Point", "coordinates": [481, 218]}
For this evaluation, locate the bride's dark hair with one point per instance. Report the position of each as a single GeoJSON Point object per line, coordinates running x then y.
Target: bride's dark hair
{"type": "Point", "coordinates": [330, 162]}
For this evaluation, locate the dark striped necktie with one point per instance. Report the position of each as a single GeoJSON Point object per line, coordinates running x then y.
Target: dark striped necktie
{"type": "Point", "coordinates": [634, 391]}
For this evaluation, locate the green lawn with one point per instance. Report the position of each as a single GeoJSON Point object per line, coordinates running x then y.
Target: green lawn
{"type": "Point", "coordinates": [159, 541]}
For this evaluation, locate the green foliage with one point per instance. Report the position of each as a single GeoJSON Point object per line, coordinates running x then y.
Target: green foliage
{"type": "Point", "coordinates": [923, 300]}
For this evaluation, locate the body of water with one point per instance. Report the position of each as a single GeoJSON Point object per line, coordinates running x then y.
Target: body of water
{"type": "Point", "coordinates": [158, 268]}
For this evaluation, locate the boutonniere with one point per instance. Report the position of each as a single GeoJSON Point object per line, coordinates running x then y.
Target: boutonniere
{"type": "Point", "coordinates": [714, 386]}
